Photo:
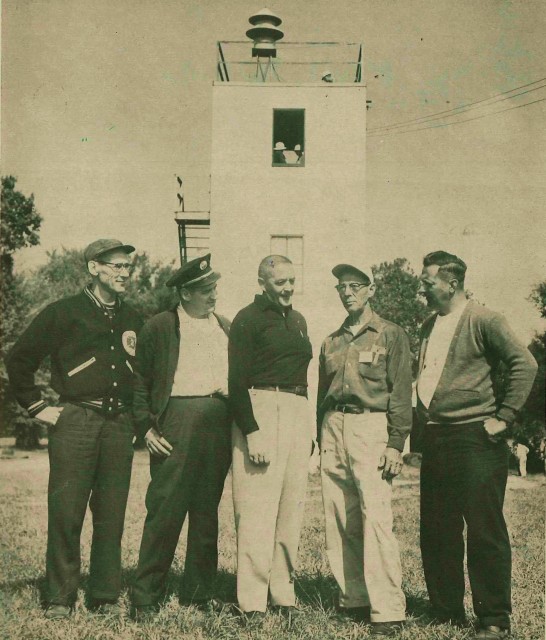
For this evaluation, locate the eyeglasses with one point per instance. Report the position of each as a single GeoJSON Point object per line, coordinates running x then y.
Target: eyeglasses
{"type": "Point", "coordinates": [353, 286]}
{"type": "Point", "coordinates": [118, 267]}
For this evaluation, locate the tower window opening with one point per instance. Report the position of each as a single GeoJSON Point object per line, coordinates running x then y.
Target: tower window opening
{"type": "Point", "coordinates": [288, 138]}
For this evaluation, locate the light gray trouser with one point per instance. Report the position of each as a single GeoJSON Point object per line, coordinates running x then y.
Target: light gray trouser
{"type": "Point", "coordinates": [269, 500]}
{"type": "Point", "coordinates": [361, 547]}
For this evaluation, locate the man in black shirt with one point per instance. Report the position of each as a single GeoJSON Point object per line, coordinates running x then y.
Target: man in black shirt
{"type": "Point", "coordinates": [91, 339]}
{"type": "Point", "coordinates": [269, 352]}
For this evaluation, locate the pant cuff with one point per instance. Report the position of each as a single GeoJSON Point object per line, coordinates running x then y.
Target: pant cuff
{"type": "Point", "coordinates": [392, 616]}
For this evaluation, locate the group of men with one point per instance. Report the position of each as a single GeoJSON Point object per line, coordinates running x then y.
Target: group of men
{"type": "Point", "coordinates": [205, 395]}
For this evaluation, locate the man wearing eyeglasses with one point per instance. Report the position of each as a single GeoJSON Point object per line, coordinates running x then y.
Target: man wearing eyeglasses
{"type": "Point", "coordinates": [363, 416]}
{"type": "Point", "coordinates": [90, 339]}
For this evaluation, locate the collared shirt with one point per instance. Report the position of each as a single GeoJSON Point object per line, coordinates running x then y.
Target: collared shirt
{"type": "Point", "coordinates": [372, 370]}
{"type": "Point", "coordinates": [267, 346]}
{"type": "Point", "coordinates": [436, 353]}
{"type": "Point", "coordinates": [202, 359]}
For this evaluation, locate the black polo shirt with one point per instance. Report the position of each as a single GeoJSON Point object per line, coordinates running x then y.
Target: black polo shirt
{"type": "Point", "coordinates": [267, 346]}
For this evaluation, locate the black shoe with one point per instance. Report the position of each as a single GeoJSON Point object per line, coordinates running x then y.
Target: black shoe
{"type": "Point", "coordinates": [144, 612]}
{"type": "Point", "coordinates": [492, 633]}
{"type": "Point", "coordinates": [106, 607]}
{"type": "Point", "coordinates": [455, 621]}
{"type": "Point", "coordinates": [386, 629]}
{"type": "Point", "coordinates": [57, 612]}
{"type": "Point", "coordinates": [252, 618]}
{"type": "Point", "coordinates": [212, 605]}
{"type": "Point", "coordinates": [356, 614]}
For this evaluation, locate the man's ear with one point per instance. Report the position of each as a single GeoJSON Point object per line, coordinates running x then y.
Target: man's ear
{"type": "Point", "coordinates": [92, 268]}
{"type": "Point", "coordinates": [454, 284]}
{"type": "Point", "coordinates": [371, 290]}
{"type": "Point", "coordinates": [261, 282]}
{"type": "Point", "coordinates": [184, 294]}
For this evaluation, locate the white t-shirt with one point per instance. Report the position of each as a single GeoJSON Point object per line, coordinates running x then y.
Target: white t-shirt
{"type": "Point", "coordinates": [203, 357]}
{"type": "Point", "coordinates": [436, 353]}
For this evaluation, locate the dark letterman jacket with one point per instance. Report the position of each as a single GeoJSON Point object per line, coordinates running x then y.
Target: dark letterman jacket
{"type": "Point", "coordinates": [155, 367]}
{"type": "Point", "coordinates": [92, 355]}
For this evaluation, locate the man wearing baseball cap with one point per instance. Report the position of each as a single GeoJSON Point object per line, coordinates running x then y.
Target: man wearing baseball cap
{"type": "Point", "coordinates": [181, 410]}
{"type": "Point", "coordinates": [363, 416]}
{"type": "Point", "coordinates": [90, 339]}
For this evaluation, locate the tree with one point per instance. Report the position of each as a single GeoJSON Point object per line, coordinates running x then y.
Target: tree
{"type": "Point", "coordinates": [19, 226]}
{"type": "Point", "coordinates": [397, 300]}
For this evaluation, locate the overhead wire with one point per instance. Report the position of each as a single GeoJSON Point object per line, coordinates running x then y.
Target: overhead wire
{"type": "Point", "coordinates": [461, 109]}
{"type": "Point", "coordinates": [448, 124]}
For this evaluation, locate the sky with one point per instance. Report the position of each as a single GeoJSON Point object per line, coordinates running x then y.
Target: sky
{"type": "Point", "coordinates": [103, 102]}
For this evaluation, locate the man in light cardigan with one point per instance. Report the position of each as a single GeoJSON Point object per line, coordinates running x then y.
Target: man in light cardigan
{"type": "Point", "coordinates": [465, 455]}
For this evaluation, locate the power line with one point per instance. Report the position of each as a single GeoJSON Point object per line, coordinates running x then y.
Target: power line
{"type": "Point", "coordinates": [464, 106]}
{"type": "Point", "coordinates": [448, 124]}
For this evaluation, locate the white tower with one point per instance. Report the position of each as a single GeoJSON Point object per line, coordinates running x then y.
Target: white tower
{"type": "Point", "coordinates": [288, 166]}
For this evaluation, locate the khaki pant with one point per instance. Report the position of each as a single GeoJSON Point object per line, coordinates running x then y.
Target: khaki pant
{"type": "Point", "coordinates": [361, 546]}
{"type": "Point", "coordinates": [269, 500]}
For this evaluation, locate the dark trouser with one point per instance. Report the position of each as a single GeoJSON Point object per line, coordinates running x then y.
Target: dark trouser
{"type": "Point", "coordinates": [89, 455]}
{"type": "Point", "coordinates": [189, 481]}
{"type": "Point", "coordinates": [463, 479]}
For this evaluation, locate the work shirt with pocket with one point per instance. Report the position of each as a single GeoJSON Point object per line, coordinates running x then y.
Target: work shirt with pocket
{"type": "Point", "coordinates": [370, 370]}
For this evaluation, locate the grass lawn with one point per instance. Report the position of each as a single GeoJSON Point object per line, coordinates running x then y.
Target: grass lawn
{"type": "Point", "coordinates": [23, 527]}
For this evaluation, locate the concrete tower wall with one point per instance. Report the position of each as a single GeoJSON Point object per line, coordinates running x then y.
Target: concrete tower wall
{"type": "Point", "coordinates": [323, 201]}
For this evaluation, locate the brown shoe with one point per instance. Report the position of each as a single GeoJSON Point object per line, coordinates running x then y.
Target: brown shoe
{"type": "Point", "coordinates": [57, 612]}
{"type": "Point", "coordinates": [492, 633]}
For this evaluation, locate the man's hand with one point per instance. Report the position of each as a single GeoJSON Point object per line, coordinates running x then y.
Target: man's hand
{"type": "Point", "coordinates": [49, 414]}
{"type": "Point", "coordinates": [391, 463]}
{"type": "Point", "coordinates": [157, 445]}
{"type": "Point", "coordinates": [494, 428]}
{"type": "Point", "coordinates": [257, 448]}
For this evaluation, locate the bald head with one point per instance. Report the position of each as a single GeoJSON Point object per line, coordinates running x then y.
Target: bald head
{"type": "Point", "coordinates": [269, 263]}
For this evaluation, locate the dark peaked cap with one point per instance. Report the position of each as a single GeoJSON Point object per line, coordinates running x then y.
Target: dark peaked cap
{"type": "Point", "coordinates": [195, 273]}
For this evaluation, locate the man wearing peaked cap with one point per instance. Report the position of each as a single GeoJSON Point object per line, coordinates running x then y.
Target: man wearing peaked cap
{"type": "Point", "coordinates": [90, 338]}
{"type": "Point", "coordinates": [363, 418]}
{"type": "Point", "coordinates": [181, 410]}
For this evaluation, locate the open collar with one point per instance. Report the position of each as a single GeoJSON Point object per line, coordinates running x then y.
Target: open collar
{"type": "Point", "coordinates": [264, 303]}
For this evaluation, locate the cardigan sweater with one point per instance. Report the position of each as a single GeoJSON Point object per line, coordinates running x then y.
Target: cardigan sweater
{"type": "Point", "coordinates": [465, 393]}
{"type": "Point", "coordinates": [155, 367]}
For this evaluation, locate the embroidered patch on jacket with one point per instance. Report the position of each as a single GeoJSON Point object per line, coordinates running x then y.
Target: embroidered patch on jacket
{"type": "Point", "coordinates": [128, 340]}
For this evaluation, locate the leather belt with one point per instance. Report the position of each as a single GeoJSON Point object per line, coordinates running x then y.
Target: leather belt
{"type": "Point", "coordinates": [298, 390]}
{"type": "Point", "coordinates": [353, 408]}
